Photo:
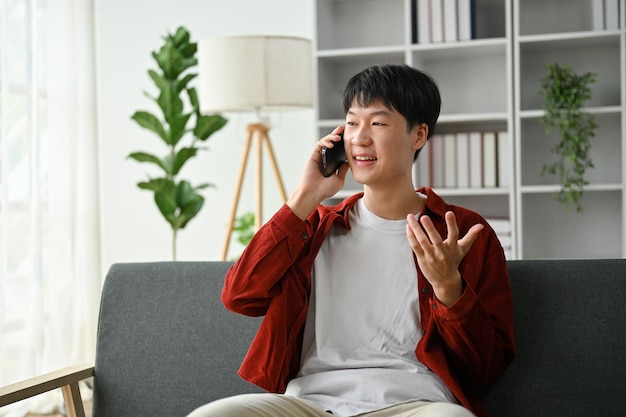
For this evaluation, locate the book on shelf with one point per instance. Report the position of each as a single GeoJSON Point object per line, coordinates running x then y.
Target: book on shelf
{"type": "Point", "coordinates": [462, 160]}
{"type": "Point", "coordinates": [502, 228]}
{"type": "Point", "coordinates": [436, 21]}
{"type": "Point", "coordinates": [465, 160]}
{"type": "Point", "coordinates": [450, 160]}
{"type": "Point", "coordinates": [475, 141]}
{"type": "Point", "coordinates": [490, 159]}
{"type": "Point", "coordinates": [500, 225]}
{"type": "Point", "coordinates": [611, 14]}
{"type": "Point", "coordinates": [449, 21]}
{"type": "Point", "coordinates": [437, 161]}
{"type": "Point", "coordinates": [422, 9]}
{"type": "Point", "coordinates": [422, 166]}
{"type": "Point", "coordinates": [466, 19]}
{"type": "Point", "coordinates": [604, 14]}
{"type": "Point", "coordinates": [503, 144]}
{"type": "Point", "coordinates": [443, 21]}
{"type": "Point", "coordinates": [597, 14]}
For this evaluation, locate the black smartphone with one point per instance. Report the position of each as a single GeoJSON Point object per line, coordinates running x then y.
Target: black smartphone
{"type": "Point", "coordinates": [333, 158]}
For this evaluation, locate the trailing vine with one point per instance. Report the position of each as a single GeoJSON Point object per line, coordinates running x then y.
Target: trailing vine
{"type": "Point", "coordinates": [564, 93]}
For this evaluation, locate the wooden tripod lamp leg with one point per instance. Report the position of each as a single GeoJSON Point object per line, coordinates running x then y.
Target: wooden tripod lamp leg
{"type": "Point", "coordinates": [258, 217]}
{"type": "Point", "coordinates": [279, 180]}
{"type": "Point", "coordinates": [233, 211]}
{"type": "Point", "coordinates": [258, 132]}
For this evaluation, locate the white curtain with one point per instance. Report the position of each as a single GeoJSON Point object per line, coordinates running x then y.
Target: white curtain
{"type": "Point", "coordinates": [55, 275]}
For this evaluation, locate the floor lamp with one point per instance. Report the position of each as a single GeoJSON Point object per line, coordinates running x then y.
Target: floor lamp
{"type": "Point", "coordinates": [260, 74]}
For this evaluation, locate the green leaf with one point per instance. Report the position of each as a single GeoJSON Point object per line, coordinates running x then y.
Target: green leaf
{"type": "Point", "coordinates": [184, 193]}
{"type": "Point", "coordinates": [146, 157]}
{"type": "Point", "coordinates": [159, 81]}
{"type": "Point", "coordinates": [193, 99]}
{"type": "Point", "coordinates": [156, 184]}
{"type": "Point", "coordinates": [171, 105]}
{"type": "Point", "coordinates": [189, 50]}
{"type": "Point", "coordinates": [178, 125]}
{"type": "Point", "coordinates": [203, 186]}
{"type": "Point", "coordinates": [166, 202]}
{"type": "Point", "coordinates": [207, 125]}
{"type": "Point", "coordinates": [183, 156]}
{"type": "Point", "coordinates": [244, 228]}
{"type": "Point", "coordinates": [189, 202]}
{"type": "Point", "coordinates": [172, 61]}
{"type": "Point", "coordinates": [151, 122]}
{"type": "Point", "coordinates": [182, 84]}
{"type": "Point", "coordinates": [181, 37]}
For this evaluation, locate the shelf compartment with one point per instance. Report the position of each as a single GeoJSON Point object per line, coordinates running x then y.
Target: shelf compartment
{"type": "Point", "coordinates": [491, 205]}
{"type": "Point", "coordinates": [606, 151]}
{"type": "Point", "coordinates": [552, 231]}
{"type": "Point", "coordinates": [596, 54]}
{"type": "Point", "coordinates": [453, 123]}
{"type": "Point", "coordinates": [555, 16]}
{"type": "Point", "coordinates": [484, 92]}
{"type": "Point", "coordinates": [349, 23]}
{"type": "Point", "coordinates": [489, 20]}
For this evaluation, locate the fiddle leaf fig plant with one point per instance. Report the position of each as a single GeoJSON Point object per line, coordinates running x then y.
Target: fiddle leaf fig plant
{"type": "Point", "coordinates": [180, 127]}
{"type": "Point", "coordinates": [564, 93]}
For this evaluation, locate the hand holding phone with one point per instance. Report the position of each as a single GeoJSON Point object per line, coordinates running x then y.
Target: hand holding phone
{"type": "Point", "coordinates": [333, 158]}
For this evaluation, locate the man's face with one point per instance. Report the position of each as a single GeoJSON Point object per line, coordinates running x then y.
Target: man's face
{"type": "Point", "coordinates": [379, 147]}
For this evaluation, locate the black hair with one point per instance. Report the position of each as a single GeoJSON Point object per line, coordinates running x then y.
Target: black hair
{"type": "Point", "coordinates": [411, 92]}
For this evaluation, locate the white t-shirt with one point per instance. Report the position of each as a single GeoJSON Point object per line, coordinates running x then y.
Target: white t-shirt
{"type": "Point", "coordinates": [363, 322]}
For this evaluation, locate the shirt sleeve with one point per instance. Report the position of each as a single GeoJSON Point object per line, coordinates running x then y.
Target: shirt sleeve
{"type": "Point", "coordinates": [250, 283]}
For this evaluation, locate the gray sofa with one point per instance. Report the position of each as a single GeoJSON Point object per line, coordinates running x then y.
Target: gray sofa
{"type": "Point", "coordinates": [167, 345]}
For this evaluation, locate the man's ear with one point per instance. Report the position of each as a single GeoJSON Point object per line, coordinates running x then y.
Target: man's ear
{"type": "Point", "coordinates": [421, 135]}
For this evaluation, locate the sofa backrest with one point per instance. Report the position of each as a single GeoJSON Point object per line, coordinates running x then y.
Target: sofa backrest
{"type": "Point", "coordinates": [570, 330]}
{"type": "Point", "coordinates": [166, 345]}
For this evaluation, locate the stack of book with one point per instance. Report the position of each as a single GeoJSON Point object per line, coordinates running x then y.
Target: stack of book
{"type": "Point", "coordinates": [465, 160]}
{"type": "Point", "coordinates": [604, 14]}
{"type": "Point", "coordinates": [502, 227]}
{"type": "Point", "coordinates": [443, 21]}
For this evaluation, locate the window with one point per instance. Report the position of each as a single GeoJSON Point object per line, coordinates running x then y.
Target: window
{"type": "Point", "coordinates": [23, 186]}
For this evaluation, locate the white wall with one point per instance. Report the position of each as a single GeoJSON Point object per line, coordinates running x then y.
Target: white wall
{"type": "Point", "coordinates": [126, 33]}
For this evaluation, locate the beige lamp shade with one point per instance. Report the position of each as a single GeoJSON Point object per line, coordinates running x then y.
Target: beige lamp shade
{"type": "Point", "coordinates": [244, 73]}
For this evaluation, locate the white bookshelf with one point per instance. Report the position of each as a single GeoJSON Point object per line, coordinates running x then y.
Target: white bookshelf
{"type": "Point", "coordinates": [565, 31]}
{"type": "Point", "coordinates": [492, 83]}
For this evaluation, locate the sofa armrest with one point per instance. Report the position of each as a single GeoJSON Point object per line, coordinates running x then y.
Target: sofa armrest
{"type": "Point", "coordinates": [66, 379]}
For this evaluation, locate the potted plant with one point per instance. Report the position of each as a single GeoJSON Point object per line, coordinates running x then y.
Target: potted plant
{"type": "Point", "coordinates": [564, 93]}
{"type": "Point", "coordinates": [180, 127]}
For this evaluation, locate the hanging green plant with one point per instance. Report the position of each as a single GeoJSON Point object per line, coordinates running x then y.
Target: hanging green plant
{"type": "Point", "coordinates": [564, 93]}
{"type": "Point", "coordinates": [180, 127]}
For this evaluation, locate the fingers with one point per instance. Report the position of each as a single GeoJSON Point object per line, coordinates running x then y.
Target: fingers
{"type": "Point", "coordinates": [330, 140]}
{"type": "Point", "coordinates": [470, 237]}
{"type": "Point", "coordinates": [413, 229]}
{"type": "Point", "coordinates": [423, 234]}
{"type": "Point", "coordinates": [453, 228]}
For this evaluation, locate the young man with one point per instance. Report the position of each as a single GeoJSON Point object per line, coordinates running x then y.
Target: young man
{"type": "Point", "coordinates": [392, 303]}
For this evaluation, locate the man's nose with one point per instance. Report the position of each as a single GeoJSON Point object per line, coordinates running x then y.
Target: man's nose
{"type": "Point", "coordinates": [361, 137]}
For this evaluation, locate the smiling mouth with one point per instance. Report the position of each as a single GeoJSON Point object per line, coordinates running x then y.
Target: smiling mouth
{"type": "Point", "coordinates": [365, 158]}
